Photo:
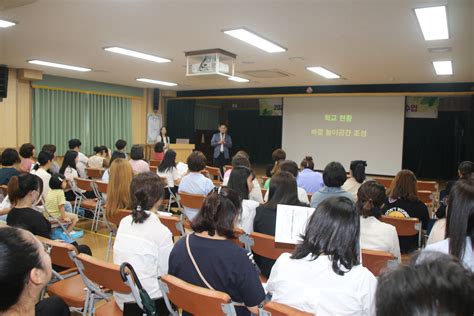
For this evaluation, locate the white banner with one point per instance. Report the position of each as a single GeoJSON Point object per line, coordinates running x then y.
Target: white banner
{"type": "Point", "coordinates": [154, 124]}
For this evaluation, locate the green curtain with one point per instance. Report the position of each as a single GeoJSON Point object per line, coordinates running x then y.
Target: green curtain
{"type": "Point", "coordinates": [94, 119]}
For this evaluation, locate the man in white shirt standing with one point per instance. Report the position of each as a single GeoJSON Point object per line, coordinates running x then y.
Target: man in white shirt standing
{"type": "Point", "coordinates": [75, 144]}
{"type": "Point", "coordinates": [221, 142]}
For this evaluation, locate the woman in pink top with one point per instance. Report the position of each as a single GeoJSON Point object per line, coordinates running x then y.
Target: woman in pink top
{"type": "Point", "coordinates": [27, 151]}
{"type": "Point", "coordinates": [138, 164]}
{"type": "Point", "coordinates": [159, 151]}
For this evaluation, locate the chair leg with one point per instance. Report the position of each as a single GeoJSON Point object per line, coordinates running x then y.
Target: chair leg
{"type": "Point", "coordinates": [109, 246]}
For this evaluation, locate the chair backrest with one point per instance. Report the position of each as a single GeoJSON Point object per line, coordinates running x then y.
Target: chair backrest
{"type": "Point", "coordinates": [427, 186]}
{"type": "Point", "coordinates": [83, 184]}
{"type": "Point", "coordinates": [4, 189]}
{"type": "Point", "coordinates": [227, 167]}
{"type": "Point", "coordinates": [386, 182]}
{"type": "Point", "coordinates": [277, 309]}
{"type": "Point", "coordinates": [171, 222]}
{"type": "Point", "coordinates": [153, 169]}
{"type": "Point", "coordinates": [95, 173]}
{"type": "Point", "coordinates": [214, 172]}
{"type": "Point", "coordinates": [102, 273]}
{"type": "Point", "coordinates": [196, 300]}
{"type": "Point", "coordinates": [405, 226]}
{"type": "Point", "coordinates": [59, 252]}
{"type": "Point", "coordinates": [118, 216]}
{"type": "Point", "coordinates": [155, 163]}
{"type": "Point", "coordinates": [376, 261]}
{"type": "Point", "coordinates": [101, 186]}
{"type": "Point", "coordinates": [191, 200]}
{"type": "Point", "coordinates": [425, 196]}
{"type": "Point", "coordinates": [265, 246]}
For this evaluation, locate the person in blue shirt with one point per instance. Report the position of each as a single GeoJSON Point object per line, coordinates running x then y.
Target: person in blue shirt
{"type": "Point", "coordinates": [308, 179]}
{"type": "Point", "coordinates": [334, 176]}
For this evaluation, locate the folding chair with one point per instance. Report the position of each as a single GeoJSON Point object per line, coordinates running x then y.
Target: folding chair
{"type": "Point", "coordinates": [153, 169]}
{"type": "Point", "coordinates": [174, 224]}
{"type": "Point", "coordinates": [377, 261]}
{"type": "Point", "coordinates": [100, 190]}
{"type": "Point", "coordinates": [277, 309]}
{"type": "Point", "coordinates": [155, 163]}
{"type": "Point", "coordinates": [191, 200]}
{"type": "Point", "coordinates": [173, 198]}
{"type": "Point", "coordinates": [194, 299]}
{"type": "Point", "coordinates": [95, 173]}
{"type": "Point", "coordinates": [215, 174]}
{"type": "Point", "coordinates": [115, 220]}
{"type": "Point", "coordinates": [405, 226]}
{"type": "Point", "coordinates": [54, 221]}
{"type": "Point", "coordinates": [427, 197]}
{"type": "Point", "coordinates": [78, 186]}
{"type": "Point", "coordinates": [227, 167]}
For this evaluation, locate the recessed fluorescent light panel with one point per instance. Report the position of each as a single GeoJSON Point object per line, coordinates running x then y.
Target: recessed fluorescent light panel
{"type": "Point", "coordinates": [238, 79]}
{"type": "Point", "coordinates": [443, 68]}
{"type": "Point", "coordinates": [324, 72]}
{"type": "Point", "coordinates": [62, 66]}
{"type": "Point", "coordinates": [433, 22]}
{"type": "Point", "coordinates": [4, 23]}
{"type": "Point", "coordinates": [255, 40]}
{"type": "Point", "coordinates": [135, 54]}
{"type": "Point", "coordinates": [158, 82]}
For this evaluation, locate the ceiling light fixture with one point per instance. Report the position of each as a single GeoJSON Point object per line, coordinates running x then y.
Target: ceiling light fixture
{"type": "Point", "coordinates": [5, 23]}
{"type": "Point", "coordinates": [56, 65]}
{"type": "Point", "coordinates": [238, 79]}
{"type": "Point", "coordinates": [136, 54]}
{"type": "Point", "coordinates": [158, 82]}
{"type": "Point", "coordinates": [443, 68]}
{"type": "Point", "coordinates": [433, 22]}
{"type": "Point", "coordinates": [324, 72]}
{"type": "Point", "coordinates": [252, 38]}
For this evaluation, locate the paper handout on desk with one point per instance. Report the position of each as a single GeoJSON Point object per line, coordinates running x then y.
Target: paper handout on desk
{"type": "Point", "coordinates": [291, 223]}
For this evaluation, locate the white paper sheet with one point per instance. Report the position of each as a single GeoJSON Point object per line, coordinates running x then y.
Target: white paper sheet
{"type": "Point", "coordinates": [291, 223]}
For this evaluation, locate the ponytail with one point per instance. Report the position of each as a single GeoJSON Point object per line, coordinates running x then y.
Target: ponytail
{"type": "Point", "coordinates": [139, 215]}
{"type": "Point", "coordinates": [36, 166]}
{"type": "Point", "coordinates": [307, 163]}
{"type": "Point", "coordinates": [370, 198]}
{"type": "Point", "coordinates": [14, 189]}
{"type": "Point", "coordinates": [146, 190]}
{"type": "Point", "coordinates": [20, 186]}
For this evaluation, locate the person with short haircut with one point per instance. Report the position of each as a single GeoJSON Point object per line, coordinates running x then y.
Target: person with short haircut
{"type": "Point", "coordinates": [167, 169]}
{"type": "Point", "coordinates": [120, 149]}
{"type": "Point", "coordinates": [241, 181]}
{"type": "Point", "coordinates": [41, 168]}
{"type": "Point", "coordinates": [118, 189]}
{"type": "Point", "coordinates": [308, 179]}
{"type": "Point", "coordinates": [164, 138]}
{"type": "Point", "coordinates": [25, 270]}
{"type": "Point", "coordinates": [283, 190]}
{"type": "Point", "coordinates": [277, 156]}
{"type": "Point", "coordinates": [291, 167]}
{"type": "Point", "coordinates": [465, 169]}
{"type": "Point", "coordinates": [356, 177]}
{"type": "Point", "coordinates": [99, 160]}
{"type": "Point", "coordinates": [27, 151]}
{"type": "Point", "coordinates": [459, 240]}
{"type": "Point", "coordinates": [324, 275]}
{"type": "Point", "coordinates": [222, 142]}
{"type": "Point", "coordinates": [159, 151]}
{"type": "Point", "coordinates": [75, 145]}
{"type": "Point", "coordinates": [195, 182]}
{"type": "Point", "coordinates": [433, 284]}
{"type": "Point", "coordinates": [56, 203]}
{"type": "Point", "coordinates": [334, 176]}
{"type": "Point", "coordinates": [143, 241]}
{"type": "Point", "coordinates": [402, 201]}
{"type": "Point", "coordinates": [136, 160]}
{"type": "Point", "coordinates": [10, 161]}
{"type": "Point", "coordinates": [224, 266]}
{"type": "Point", "coordinates": [374, 234]}
{"type": "Point", "coordinates": [52, 149]}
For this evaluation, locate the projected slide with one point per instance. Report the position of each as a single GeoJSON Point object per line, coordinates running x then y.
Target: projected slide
{"type": "Point", "coordinates": [344, 129]}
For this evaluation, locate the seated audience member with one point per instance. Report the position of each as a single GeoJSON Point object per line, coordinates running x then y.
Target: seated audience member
{"type": "Point", "coordinates": [118, 189]}
{"type": "Point", "coordinates": [308, 179]}
{"type": "Point", "coordinates": [334, 176]}
{"type": "Point", "coordinates": [167, 169]}
{"type": "Point", "coordinates": [465, 169]}
{"type": "Point", "coordinates": [241, 181]}
{"type": "Point", "coordinates": [277, 155]}
{"type": "Point", "coordinates": [56, 203]}
{"type": "Point", "coordinates": [443, 201]}
{"type": "Point", "coordinates": [69, 170]}
{"type": "Point", "coordinates": [283, 190]}
{"type": "Point", "coordinates": [52, 149]}
{"type": "Point", "coordinates": [403, 202]}
{"type": "Point", "coordinates": [143, 241]}
{"type": "Point", "coordinates": [324, 276]}
{"type": "Point", "coordinates": [224, 266]}
{"type": "Point", "coordinates": [374, 234]}
{"type": "Point", "coordinates": [75, 145]}
{"type": "Point", "coordinates": [291, 167]}
{"type": "Point", "coordinates": [438, 231]}
{"type": "Point", "coordinates": [159, 151]}
{"type": "Point", "coordinates": [25, 270]}
{"type": "Point", "coordinates": [433, 284]}
{"type": "Point", "coordinates": [136, 160]}
{"type": "Point", "coordinates": [106, 175]}
{"type": "Point", "coordinates": [10, 161]}
{"type": "Point", "coordinates": [27, 151]}
{"type": "Point", "coordinates": [356, 177]}
{"type": "Point", "coordinates": [459, 240]}
{"type": "Point", "coordinates": [23, 191]}
{"type": "Point", "coordinates": [41, 168]}
{"type": "Point", "coordinates": [120, 149]}
{"type": "Point", "coordinates": [195, 182]}
{"type": "Point", "coordinates": [99, 160]}
{"type": "Point", "coordinates": [242, 159]}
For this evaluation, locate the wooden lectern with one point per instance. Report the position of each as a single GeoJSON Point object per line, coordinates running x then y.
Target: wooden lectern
{"type": "Point", "coordinates": [182, 151]}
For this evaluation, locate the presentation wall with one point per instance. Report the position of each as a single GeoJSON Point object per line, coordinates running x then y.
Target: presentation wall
{"type": "Point", "coordinates": [344, 129]}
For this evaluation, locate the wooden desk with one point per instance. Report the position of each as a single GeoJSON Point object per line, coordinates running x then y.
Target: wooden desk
{"type": "Point", "coordinates": [182, 151]}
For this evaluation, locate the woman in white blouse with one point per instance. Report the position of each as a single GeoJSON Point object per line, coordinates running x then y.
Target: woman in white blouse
{"type": "Point", "coordinates": [241, 180]}
{"type": "Point", "coordinates": [143, 241]}
{"type": "Point", "coordinates": [167, 169]}
{"type": "Point", "coordinates": [374, 234]}
{"type": "Point", "coordinates": [356, 177]}
{"type": "Point", "coordinates": [324, 275]}
{"type": "Point", "coordinates": [69, 170]}
{"type": "Point", "coordinates": [291, 167]}
{"type": "Point", "coordinates": [164, 138]}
